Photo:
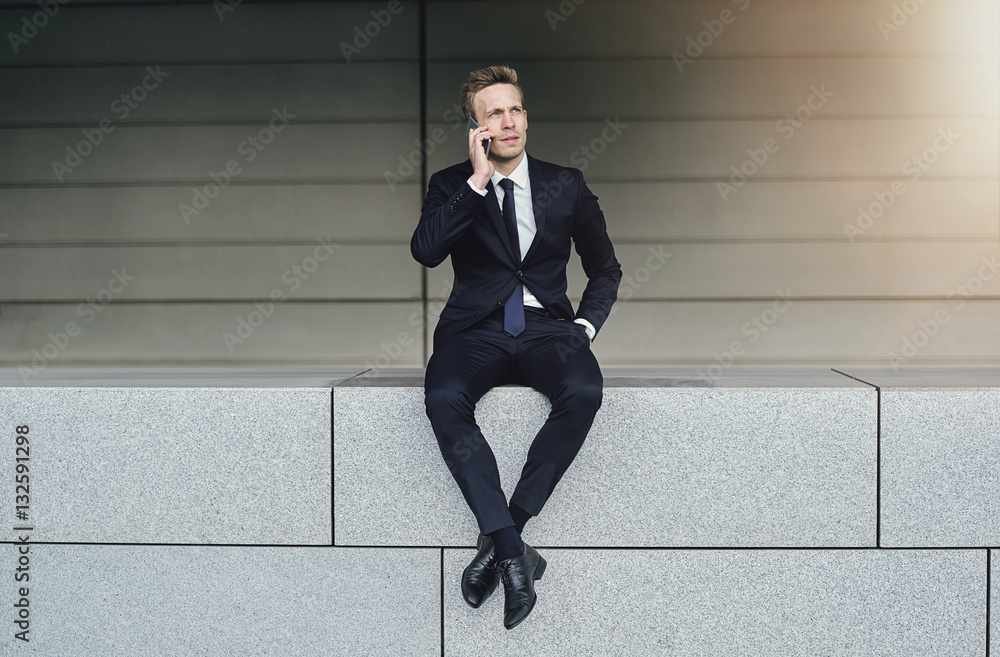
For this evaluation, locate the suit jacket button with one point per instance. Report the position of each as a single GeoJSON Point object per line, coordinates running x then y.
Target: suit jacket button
{"type": "Point", "coordinates": [519, 273]}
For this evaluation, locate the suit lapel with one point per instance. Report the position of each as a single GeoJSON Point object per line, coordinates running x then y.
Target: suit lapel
{"type": "Point", "coordinates": [538, 202]}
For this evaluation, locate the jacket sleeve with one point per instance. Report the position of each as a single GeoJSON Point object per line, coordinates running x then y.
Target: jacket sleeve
{"type": "Point", "coordinates": [597, 254]}
{"type": "Point", "coordinates": [445, 216]}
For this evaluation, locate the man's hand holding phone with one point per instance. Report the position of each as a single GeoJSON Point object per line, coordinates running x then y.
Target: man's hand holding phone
{"type": "Point", "coordinates": [480, 139]}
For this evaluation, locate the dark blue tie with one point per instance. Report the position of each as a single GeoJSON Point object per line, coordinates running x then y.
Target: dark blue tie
{"type": "Point", "coordinates": [513, 309]}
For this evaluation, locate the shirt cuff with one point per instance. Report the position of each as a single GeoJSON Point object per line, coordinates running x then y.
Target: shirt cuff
{"type": "Point", "coordinates": [588, 327]}
{"type": "Point", "coordinates": [481, 192]}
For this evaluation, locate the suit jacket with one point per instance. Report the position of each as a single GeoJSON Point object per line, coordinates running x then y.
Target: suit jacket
{"type": "Point", "coordinates": [457, 221]}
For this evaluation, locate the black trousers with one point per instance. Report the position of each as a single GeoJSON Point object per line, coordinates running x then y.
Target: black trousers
{"type": "Point", "coordinates": [552, 356]}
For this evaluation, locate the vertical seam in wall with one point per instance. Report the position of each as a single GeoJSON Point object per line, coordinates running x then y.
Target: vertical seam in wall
{"type": "Point", "coordinates": [333, 481]}
{"type": "Point", "coordinates": [989, 585]}
{"type": "Point", "coordinates": [442, 602]}
{"type": "Point", "coordinates": [878, 467]}
{"type": "Point", "coordinates": [422, 65]}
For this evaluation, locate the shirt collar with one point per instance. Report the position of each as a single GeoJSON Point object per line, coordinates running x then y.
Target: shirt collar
{"type": "Point", "coordinates": [519, 175]}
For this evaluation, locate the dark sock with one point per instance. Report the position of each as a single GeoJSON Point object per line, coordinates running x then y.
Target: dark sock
{"type": "Point", "coordinates": [507, 544]}
{"type": "Point", "coordinates": [520, 517]}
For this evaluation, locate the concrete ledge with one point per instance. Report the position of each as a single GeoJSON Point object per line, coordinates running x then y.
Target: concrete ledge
{"type": "Point", "coordinates": [152, 601]}
{"type": "Point", "coordinates": [927, 377]}
{"type": "Point", "coordinates": [179, 377]}
{"type": "Point", "coordinates": [736, 602]}
{"type": "Point", "coordinates": [939, 451]}
{"type": "Point", "coordinates": [940, 480]}
{"type": "Point", "coordinates": [175, 465]}
{"type": "Point", "coordinates": [753, 458]}
{"type": "Point", "coordinates": [756, 459]}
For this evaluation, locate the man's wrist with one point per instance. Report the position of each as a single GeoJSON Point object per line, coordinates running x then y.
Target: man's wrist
{"type": "Point", "coordinates": [479, 190]}
{"type": "Point", "coordinates": [588, 327]}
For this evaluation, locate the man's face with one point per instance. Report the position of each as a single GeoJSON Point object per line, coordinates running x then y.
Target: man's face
{"type": "Point", "coordinates": [498, 107]}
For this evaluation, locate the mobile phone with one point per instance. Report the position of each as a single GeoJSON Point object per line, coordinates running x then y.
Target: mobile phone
{"type": "Point", "coordinates": [472, 125]}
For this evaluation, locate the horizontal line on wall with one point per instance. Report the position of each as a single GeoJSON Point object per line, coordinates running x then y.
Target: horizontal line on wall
{"type": "Point", "coordinates": [513, 60]}
{"type": "Point", "coordinates": [596, 118]}
{"type": "Point", "coordinates": [194, 362]}
{"type": "Point", "coordinates": [87, 4]}
{"type": "Point", "coordinates": [205, 62]}
{"type": "Point", "coordinates": [405, 241]}
{"type": "Point", "coordinates": [722, 177]}
{"type": "Point", "coordinates": [7, 360]}
{"type": "Point", "coordinates": [265, 62]}
{"type": "Point", "coordinates": [228, 301]}
{"type": "Point", "coordinates": [817, 239]}
{"type": "Point", "coordinates": [803, 363]}
{"type": "Point", "coordinates": [202, 123]}
{"type": "Point", "coordinates": [916, 298]}
{"type": "Point", "coordinates": [472, 60]}
{"type": "Point", "coordinates": [201, 182]}
{"type": "Point", "coordinates": [879, 177]}
{"type": "Point", "coordinates": [733, 118]}
{"type": "Point", "coordinates": [167, 301]}
{"type": "Point", "coordinates": [209, 243]}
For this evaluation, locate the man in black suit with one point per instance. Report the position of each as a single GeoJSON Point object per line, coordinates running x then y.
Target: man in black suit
{"type": "Point", "coordinates": [507, 220]}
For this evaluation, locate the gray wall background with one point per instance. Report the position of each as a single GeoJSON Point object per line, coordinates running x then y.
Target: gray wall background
{"type": "Point", "coordinates": [897, 79]}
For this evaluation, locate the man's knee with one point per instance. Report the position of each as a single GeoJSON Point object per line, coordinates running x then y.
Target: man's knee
{"type": "Point", "coordinates": [585, 396]}
{"type": "Point", "coordinates": [445, 399]}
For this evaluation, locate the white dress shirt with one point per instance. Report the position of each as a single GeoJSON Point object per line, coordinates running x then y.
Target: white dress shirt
{"type": "Point", "coordinates": [526, 228]}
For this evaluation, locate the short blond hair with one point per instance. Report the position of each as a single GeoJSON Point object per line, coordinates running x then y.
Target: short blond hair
{"type": "Point", "coordinates": [486, 77]}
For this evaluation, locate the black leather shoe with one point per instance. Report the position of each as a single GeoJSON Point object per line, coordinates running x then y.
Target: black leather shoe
{"type": "Point", "coordinates": [519, 577]}
{"type": "Point", "coordinates": [480, 578]}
